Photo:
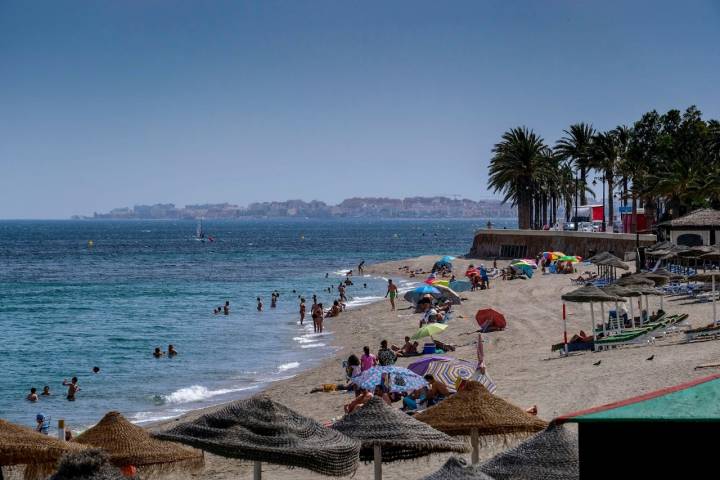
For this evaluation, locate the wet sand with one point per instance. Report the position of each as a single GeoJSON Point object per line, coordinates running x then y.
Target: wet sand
{"type": "Point", "coordinates": [518, 359]}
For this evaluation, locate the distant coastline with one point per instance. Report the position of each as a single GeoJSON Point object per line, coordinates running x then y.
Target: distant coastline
{"type": "Point", "coordinates": [365, 207]}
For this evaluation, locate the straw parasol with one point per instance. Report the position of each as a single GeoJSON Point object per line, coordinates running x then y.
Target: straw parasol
{"type": "Point", "coordinates": [613, 261]}
{"type": "Point", "coordinates": [128, 444]}
{"type": "Point", "coordinates": [260, 430]}
{"type": "Point", "coordinates": [93, 464]}
{"type": "Point", "coordinates": [476, 412]}
{"type": "Point", "coordinates": [635, 279]}
{"type": "Point", "coordinates": [456, 469]}
{"type": "Point", "coordinates": [387, 435]}
{"type": "Point", "coordinates": [23, 446]}
{"type": "Point", "coordinates": [549, 455]}
{"type": "Point", "coordinates": [588, 294]}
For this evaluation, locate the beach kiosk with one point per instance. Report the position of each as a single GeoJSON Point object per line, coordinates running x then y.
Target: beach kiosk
{"type": "Point", "coordinates": [668, 433]}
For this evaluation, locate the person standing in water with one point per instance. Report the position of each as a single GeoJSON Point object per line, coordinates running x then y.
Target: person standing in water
{"type": "Point", "coordinates": [392, 293]}
{"type": "Point", "coordinates": [361, 267]}
{"type": "Point", "coordinates": [73, 388]}
{"type": "Point", "coordinates": [302, 310]}
{"type": "Point", "coordinates": [226, 308]}
{"type": "Point", "coordinates": [273, 301]}
{"type": "Point", "coordinates": [259, 305]}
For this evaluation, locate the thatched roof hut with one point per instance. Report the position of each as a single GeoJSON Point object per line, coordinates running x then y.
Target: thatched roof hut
{"type": "Point", "coordinates": [400, 436]}
{"type": "Point", "coordinates": [92, 464]}
{"type": "Point", "coordinates": [128, 444]}
{"type": "Point", "coordinates": [549, 455]}
{"type": "Point", "coordinates": [261, 430]}
{"type": "Point", "coordinates": [474, 408]}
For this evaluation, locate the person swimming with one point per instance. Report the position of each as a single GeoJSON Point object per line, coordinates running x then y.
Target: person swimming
{"type": "Point", "coordinates": [73, 388]}
{"type": "Point", "coordinates": [96, 369]}
{"type": "Point", "coordinates": [171, 351]}
{"type": "Point", "coordinates": [32, 396]}
{"type": "Point", "coordinates": [158, 353]}
{"type": "Point", "coordinates": [46, 391]}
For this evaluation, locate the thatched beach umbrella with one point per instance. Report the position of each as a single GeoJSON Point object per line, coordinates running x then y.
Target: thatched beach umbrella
{"type": "Point", "coordinates": [549, 455]}
{"type": "Point", "coordinates": [475, 412]}
{"type": "Point", "coordinates": [260, 430]}
{"type": "Point", "coordinates": [388, 434]}
{"type": "Point", "coordinates": [93, 464]}
{"type": "Point", "coordinates": [128, 444]}
{"type": "Point", "coordinates": [588, 294]}
{"type": "Point", "coordinates": [23, 446]}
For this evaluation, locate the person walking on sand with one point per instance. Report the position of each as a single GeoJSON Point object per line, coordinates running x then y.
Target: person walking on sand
{"type": "Point", "coordinates": [302, 310]}
{"type": "Point", "coordinates": [73, 388]}
{"type": "Point", "coordinates": [392, 293]}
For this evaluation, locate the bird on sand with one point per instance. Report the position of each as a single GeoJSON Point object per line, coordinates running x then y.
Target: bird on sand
{"type": "Point", "coordinates": [650, 357]}
{"type": "Point", "coordinates": [597, 363]}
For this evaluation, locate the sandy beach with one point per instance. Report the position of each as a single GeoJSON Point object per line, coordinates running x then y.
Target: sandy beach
{"type": "Point", "coordinates": [518, 359]}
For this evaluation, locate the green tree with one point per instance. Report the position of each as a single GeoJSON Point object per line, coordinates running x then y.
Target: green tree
{"type": "Point", "coordinates": [575, 147]}
{"type": "Point", "coordinates": [514, 167]}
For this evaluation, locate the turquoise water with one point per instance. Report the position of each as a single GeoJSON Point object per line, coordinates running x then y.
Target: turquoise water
{"type": "Point", "coordinates": [66, 307]}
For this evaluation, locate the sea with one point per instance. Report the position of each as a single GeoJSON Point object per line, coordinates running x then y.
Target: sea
{"type": "Point", "coordinates": [75, 295]}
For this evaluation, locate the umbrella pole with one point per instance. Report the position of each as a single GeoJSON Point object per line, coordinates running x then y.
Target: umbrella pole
{"type": "Point", "coordinates": [632, 313]}
{"type": "Point", "coordinates": [475, 450]}
{"type": "Point", "coordinates": [618, 319]}
{"type": "Point", "coordinates": [592, 329]}
{"type": "Point", "coordinates": [565, 330]}
{"type": "Point", "coordinates": [603, 317]}
{"type": "Point", "coordinates": [257, 471]}
{"type": "Point", "coordinates": [714, 308]}
{"type": "Point", "coordinates": [377, 460]}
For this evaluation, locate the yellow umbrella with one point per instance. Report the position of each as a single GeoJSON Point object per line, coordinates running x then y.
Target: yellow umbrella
{"type": "Point", "coordinates": [429, 330]}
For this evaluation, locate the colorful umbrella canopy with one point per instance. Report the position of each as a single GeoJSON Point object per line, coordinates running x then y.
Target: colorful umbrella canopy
{"type": "Point", "coordinates": [460, 286]}
{"type": "Point", "coordinates": [568, 258]}
{"type": "Point", "coordinates": [447, 258]}
{"type": "Point", "coordinates": [523, 269]}
{"type": "Point", "coordinates": [448, 372]}
{"type": "Point", "coordinates": [429, 330]}
{"type": "Point", "coordinates": [425, 289]}
{"type": "Point", "coordinates": [397, 379]}
{"type": "Point", "coordinates": [490, 320]}
{"type": "Point", "coordinates": [420, 366]}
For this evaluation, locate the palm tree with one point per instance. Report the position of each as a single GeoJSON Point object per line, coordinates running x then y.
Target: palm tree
{"type": "Point", "coordinates": [513, 169]}
{"type": "Point", "coordinates": [574, 147]}
{"type": "Point", "coordinates": [605, 153]}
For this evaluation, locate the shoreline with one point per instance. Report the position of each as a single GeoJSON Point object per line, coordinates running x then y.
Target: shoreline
{"type": "Point", "coordinates": [518, 359]}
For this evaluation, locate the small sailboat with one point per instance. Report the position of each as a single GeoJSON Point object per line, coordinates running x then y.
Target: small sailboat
{"type": "Point", "coordinates": [200, 233]}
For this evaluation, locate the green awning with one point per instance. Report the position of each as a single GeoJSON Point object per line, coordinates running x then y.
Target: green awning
{"type": "Point", "coordinates": [696, 401]}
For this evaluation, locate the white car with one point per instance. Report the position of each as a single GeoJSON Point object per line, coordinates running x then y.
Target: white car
{"type": "Point", "coordinates": [585, 227]}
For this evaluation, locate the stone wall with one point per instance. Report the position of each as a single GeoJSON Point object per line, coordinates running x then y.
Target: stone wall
{"type": "Point", "coordinates": [528, 243]}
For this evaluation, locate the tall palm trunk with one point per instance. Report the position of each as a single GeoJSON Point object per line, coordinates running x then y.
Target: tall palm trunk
{"type": "Point", "coordinates": [610, 202]}
{"type": "Point", "coordinates": [544, 209]}
{"type": "Point", "coordinates": [583, 185]}
{"type": "Point", "coordinates": [524, 210]}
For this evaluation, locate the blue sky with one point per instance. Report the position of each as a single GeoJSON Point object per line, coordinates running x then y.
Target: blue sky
{"type": "Point", "coordinates": [106, 104]}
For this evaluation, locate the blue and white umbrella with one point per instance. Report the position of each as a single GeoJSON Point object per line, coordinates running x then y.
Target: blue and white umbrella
{"type": "Point", "coordinates": [398, 379]}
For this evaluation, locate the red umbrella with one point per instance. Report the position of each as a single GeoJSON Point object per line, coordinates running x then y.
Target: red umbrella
{"type": "Point", "coordinates": [471, 272]}
{"type": "Point", "coordinates": [490, 320]}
